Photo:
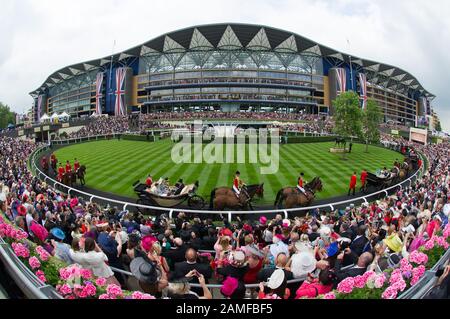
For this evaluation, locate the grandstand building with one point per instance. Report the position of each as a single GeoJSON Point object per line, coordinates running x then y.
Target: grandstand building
{"type": "Point", "coordinates": [232, 68]}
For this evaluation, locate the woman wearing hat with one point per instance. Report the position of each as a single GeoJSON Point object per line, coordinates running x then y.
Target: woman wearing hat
{"type": "Point", "coordinates": [93, 258]}
{"type": "Point", "coordinates": [277, 285]}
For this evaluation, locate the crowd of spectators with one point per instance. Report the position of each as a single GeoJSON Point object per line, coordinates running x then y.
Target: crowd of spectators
{"type": "Point", "coordinates": [166, 256]}
{"type": "Point", "coordinates": [104, 125]}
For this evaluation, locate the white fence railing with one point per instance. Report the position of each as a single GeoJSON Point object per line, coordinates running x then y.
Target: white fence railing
{"type": "Point", "coordinates": [171, 211]}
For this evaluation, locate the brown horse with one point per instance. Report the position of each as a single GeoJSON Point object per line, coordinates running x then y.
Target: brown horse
{"type": "Point", "coordinates": [69, 179]}
{"type": "Point", "coordinates": [80, 174]}
{"type": "Point", "coordinates": [224, 197]}
{"type": "Point", "coordinates": [293, 198]}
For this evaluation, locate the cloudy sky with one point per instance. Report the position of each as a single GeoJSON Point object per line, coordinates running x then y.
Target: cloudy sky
{"type": "Point", "coordinates": [38, 37]}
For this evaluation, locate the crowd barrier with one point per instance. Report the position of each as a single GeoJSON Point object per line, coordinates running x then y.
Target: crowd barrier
{"type": "Point", "coordinates": [287, 213]}
{"type": "Point", "coordinates": [33, 288]}
{"type": "Point", "coordinates": [25, 279]}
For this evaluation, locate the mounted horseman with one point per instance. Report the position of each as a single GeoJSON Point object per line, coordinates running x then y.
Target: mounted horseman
{"type": "Point", "coordinates": [238, 197]}
{"type": "Point", "coordinates": [293, 197]}
{"type": "Point", "coordinates": [53, 162]}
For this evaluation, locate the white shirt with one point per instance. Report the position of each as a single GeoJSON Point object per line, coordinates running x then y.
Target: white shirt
{"type": "Point", "coordinates": [94, 261]}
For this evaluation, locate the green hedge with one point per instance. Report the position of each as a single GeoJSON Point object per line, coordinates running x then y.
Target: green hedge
{"type": "Point", "coordinates": [142, 138]}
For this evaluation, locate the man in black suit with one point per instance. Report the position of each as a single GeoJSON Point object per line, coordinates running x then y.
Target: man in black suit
{"type": "Point", "coordinates": [176, 254]}
{"type": "Point", "coordinates": [181, 269]}
{"type": "Point", "coordinates": [360, 242]}
{"type": "Point", "coordinates": [210, 240]}
{"type": "Point", "coordinates": [359, 269]}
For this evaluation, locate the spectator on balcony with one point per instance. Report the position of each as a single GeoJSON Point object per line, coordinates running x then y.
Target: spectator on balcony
{"type": "Point", "coordinates": [90, 256]}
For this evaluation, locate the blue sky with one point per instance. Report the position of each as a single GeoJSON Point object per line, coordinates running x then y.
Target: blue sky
{"type": "Point", "coordinates": [40, 37]}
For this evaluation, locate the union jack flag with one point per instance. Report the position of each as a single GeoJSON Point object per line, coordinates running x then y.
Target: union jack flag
{"type": "Point", "coordinates": [98, 93]}
{"type": "Point", "coordinates": [120, 108]}
{"type": "Point", "coordinates": [341, 80]}
{"type": "Point", "coordinates": [363, 84]}
{"type": "Point", "coordinates": [39, 107]}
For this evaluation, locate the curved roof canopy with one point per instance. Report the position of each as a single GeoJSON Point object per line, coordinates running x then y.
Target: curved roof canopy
{"type": "Point", "coordinates": [234, 36]}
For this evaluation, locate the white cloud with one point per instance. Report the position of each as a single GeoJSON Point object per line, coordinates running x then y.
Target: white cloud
{"type": "Point", "coordinates": [44, 36]}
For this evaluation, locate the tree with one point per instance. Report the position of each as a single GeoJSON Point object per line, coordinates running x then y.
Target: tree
{"type": "Point", "coordinates": [371, 123]}
{"type": "Point", "coordinates": [6, 116]}
{"type": "Point", "coordinates": [348, 116]}
{"type": "Point", "coordinates": [438, 126]}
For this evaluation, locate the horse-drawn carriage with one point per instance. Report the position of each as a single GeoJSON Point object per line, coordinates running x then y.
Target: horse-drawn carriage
{"type": "Point", "coordinates": [378, 182]}
{"type": "Point", "coordinates": [150, 198]}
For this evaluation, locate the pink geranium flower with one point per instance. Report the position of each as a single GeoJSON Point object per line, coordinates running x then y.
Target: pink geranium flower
{"type": "Point", "coordinates": [20, 250]}
{"type": "Point", "coordinates": [101, 282]}
{"type": "Point", "coordinates": [114, 291]}
{"type": "Point", "coordinates": [43, 254]}
{"type": "Point", "coordinates": [390, 293]}
{"type": "Point", "coordinates": [65, 289]}
{"type": "Point", "coordinates": [329, 296]}
{"type": "Point", "coordinates": [346, 286]}
{"type": "Point", "coordinates": [34, 263]}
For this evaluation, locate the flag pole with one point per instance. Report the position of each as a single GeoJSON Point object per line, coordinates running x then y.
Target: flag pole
{"type": "Point", "coordinates": [351, 67]}
{"type": "Point", "coordinates": [110, 69]}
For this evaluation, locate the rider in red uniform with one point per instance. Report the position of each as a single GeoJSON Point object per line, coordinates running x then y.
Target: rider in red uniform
{"type": "Point", "coordinates": [364, 175]}
{"type": "Point", "coordinates": [149, 181]}
{"type": "Point", "coordinates": [60, 172]}
{"type": "Point", "coordinates": [353, 182]}
{"type": "Point", "coordinates": [301, 182]}
{"type": "Point", "coordinates": [76, 165]}
{"type": "Point", "coordinates": [68, 167]}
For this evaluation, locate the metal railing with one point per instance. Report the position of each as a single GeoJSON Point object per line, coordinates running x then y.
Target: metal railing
{"type": "Point", "coordinates": [427, 282]}
{"type": "Point", "coordinates": [25, 279]}
{"type": "Point", "coordinates": [170, 211]}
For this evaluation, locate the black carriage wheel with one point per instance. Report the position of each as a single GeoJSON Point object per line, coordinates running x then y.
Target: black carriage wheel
{"type": "Point", "coordinates": [144, 202]}
{"type": "Point", "coordinates": [196, 202]}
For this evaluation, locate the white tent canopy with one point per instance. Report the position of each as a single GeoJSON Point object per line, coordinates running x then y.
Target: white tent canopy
{"type": "Point", "coordinates": [64, 114]}
{"type": "Point", "coordinates": [44, 117]}
{"type": "Point", "coordinates": [55, 116]}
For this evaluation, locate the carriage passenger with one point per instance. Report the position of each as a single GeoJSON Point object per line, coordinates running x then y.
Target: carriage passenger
{"type": "Point", "coordinates": [149, 181]}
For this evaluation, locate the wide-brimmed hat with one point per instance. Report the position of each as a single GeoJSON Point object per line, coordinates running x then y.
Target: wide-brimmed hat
{"type": "Point", "coordinates": [263, 220]}
{"type": "Point", "coordinates": [302, 247]}
{"type": "Point", "coordinates": [144, 271]}
{"type": "Point", "coordinates": [237, 259]}
{"type": "Point", "coordinates": [279, 248]}
{"type": "Point", "coordinates": [394, 243]}
{"type": "Point", "coordinates": [253, 250]}
{"type": "Point", "coordinates": [229, 286]}
{"type": "Point", "coordinates": [303, 263]}
{"type": "Point", "coordinates": [325, 231]}
{"type": "Point", "coordinates": [58, 233]}
{"type": "Point", "coordinates": [277, 279]}
{"type": "Point", "coordinates": [286, 223]}
{"type": "Point", "coordinates": [333, 249]}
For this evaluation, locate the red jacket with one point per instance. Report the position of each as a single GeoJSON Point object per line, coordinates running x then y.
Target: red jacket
{"type": "Point", "coordinates": [353, 181]}
{"type": "Point", "coordinates": [364, 177]}
{"type": "Point", "coordinates": [149, 182]}
{"type": "Point", "coordinates": [68, 168]}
